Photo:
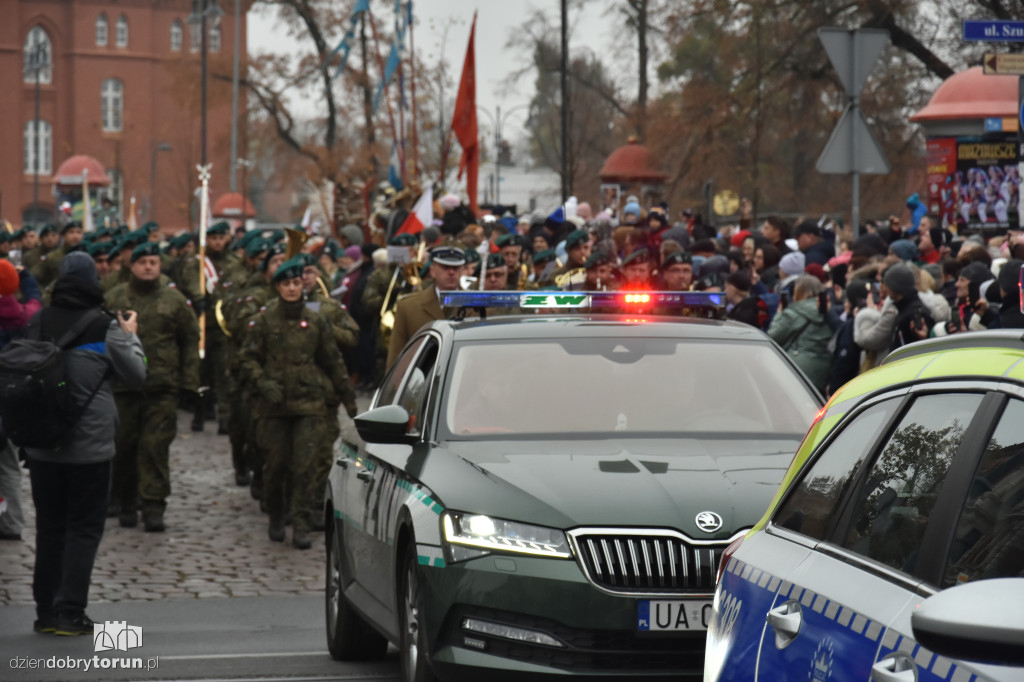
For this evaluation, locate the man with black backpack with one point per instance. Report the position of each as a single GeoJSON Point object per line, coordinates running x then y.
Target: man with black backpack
{"type": "Point", "coordinates": [71, 481]}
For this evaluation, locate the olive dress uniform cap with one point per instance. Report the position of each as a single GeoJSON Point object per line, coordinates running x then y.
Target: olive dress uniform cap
{"type": "Point", "coordinates": [290, 269]}
{"type": "Point", "coordinates": [597, 258]}
{"type": "Point", "coordinates": [272, 250]}
{"type": "Point", "coordinates": [447, 255]}
{"type": "Point", "coordinates": [150, 227]}
{"type": "Point", "coordinates": [403, 239]}
{"type": "Point", "coordinates": [638, 256]}
{"type": "Point", "coordinates": [255, 247]}
{"type": "Point", "coordinates": [575, 238]}
{"type": "Point", "coordinates": [143, 250]}
{"type": "Point", "coordinates": [545, 256]}
{"type": "Point", "coordinates": [511, 239]}
{"type": "Point", "coordinates": [221, 227]}
{"type": "Point", "coordinates": [677, 258]}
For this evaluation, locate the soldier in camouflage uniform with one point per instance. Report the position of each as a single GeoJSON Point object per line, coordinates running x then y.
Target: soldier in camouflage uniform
{"type": "Point", "coordinates": [47, 268]}
{"type": "Point", "coordinates": [33, 256]}
{"type": "Point", "coordinates": [291, 357]}
{"type": "Point", "coordinates": [148, 419]}
{"type": "Point", "coordinates": [119, 259]}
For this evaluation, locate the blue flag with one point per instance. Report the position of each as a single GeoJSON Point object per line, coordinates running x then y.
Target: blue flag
{"type": "Point", "coordinates": [402, 21]}
{"type": "Point", "coordinates": [345, 46]}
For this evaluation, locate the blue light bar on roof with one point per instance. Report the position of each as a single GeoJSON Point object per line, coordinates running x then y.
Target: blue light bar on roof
{"type": "Point", "coordinates": [588, 300]}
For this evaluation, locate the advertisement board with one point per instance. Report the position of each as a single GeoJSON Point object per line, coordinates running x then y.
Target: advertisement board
{"type": "Point", "coordinates": [974, 183]}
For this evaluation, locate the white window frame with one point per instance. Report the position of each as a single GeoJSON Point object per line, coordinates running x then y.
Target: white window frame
{"type": "Point", "coordinates": [45, 147]}
{"type": "Point", "coordinates": [36, 35]}
{"type": "Point", "coordinates": [121, 31]}
{"type": "Point", "coordinates": [102, 30]}
{"type": "Point", "coordinates": [215, 39]}
{"type": "Point", "coordinates": [177, 35]}
{"type": "Point", "coordinates": [194, 37]}
{"type": "Point", "coordinates": [112, 105]}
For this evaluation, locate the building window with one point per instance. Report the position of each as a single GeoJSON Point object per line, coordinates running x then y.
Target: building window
{"type": "Point", "coordinates": [45, 148]}
{"type": "Point", "coordinates": [176, 36]}
{"type": "Point", "coordinates": [193, 37]}
{"type": "Point", "coordinates": [38, 54]}
{"type": "Point", "coordinates": [215, 39]}
{"type": "Point", "coordinates": [112, 105]}
{"type": "Point", "coordinates": [121, 36]}
{"type": "Point", "coordinates": [101, 30]}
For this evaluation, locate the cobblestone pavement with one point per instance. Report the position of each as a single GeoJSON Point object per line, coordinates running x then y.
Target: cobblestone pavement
{"type": "Point", "coordinates": [215, 544]}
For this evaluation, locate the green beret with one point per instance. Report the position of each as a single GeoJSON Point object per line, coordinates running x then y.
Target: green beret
{"type": "Point", "coordinates": [677, 258]}
{"type": "Point", "coordinates": [472, 256]}
{"type": "Point", "coordinates": [248, 238]}
{"type": "Point", "coordinates": [18, 234]}
{"type": "Point", "coordinates": [5, 236]}
{"type": "Point", "coordinates": [182, 240]}
{"type": "Point", "coordinates": [638, 256]}
{"type": "Point", "coordinates": [575, 238]}
{"type": "Point", "coordinates": [143, 250]}
{"type": "Point", "coordinates": [307, 259]}
{"type": "Point", "coordinates": [221, 227]}
{"type": "Point", "coordinates": [255, 247]}
{"type": "Point", "coordinates": [332, 249]}
{"type": "Point", "coordinates": [272, 250]}
{"type": "Point", "coordinates": [599, 257]}
{"type": "Point", "coordinates": [275, 236]}
{"type": "Point", "coordinates": [425, 270]}
{"type": "Point", "coordinates": [290, 269]}
{"type": "Point", "coordinates": [28, 228]}
{"type": "Point", "coordinates": [135, 237]}
{"type": "Point", "coordinates": [404, 239]}
{"type": "Point", "coordinates": [47, 229]}
{"type": "Point", "coordinates": [72, 224]}
{"type": "Point", "coordinates": [508, 239]}
{"type": "Point", "coordinates": [100, 249]}
{"type": "Point", "coordinates": [495, 260]}
{"type": "Point", "coordinates": [545, 256]}
{"type": "Point", "coordinates": [150, 227]}
{"type": "Point", "coordinates": [116, 247]}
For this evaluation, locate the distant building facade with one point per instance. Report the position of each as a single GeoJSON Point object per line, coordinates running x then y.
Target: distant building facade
{"type": "Point", "coordinates": [121, 82]}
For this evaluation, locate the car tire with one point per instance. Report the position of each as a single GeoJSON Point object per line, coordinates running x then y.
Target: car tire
{"type": "Point", "coordinates": [412, 647]}
{"type": "Point", "coordinates": [349, 637]}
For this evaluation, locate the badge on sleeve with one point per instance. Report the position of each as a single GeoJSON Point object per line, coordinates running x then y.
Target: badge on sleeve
{"type": "Point", "coordinates": [304, 323]}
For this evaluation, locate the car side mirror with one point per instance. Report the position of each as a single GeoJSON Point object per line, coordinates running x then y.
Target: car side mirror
{"type": "Point", "coordinates": [388, 424]}
{"type": "Point", "coordinates": [979, 621]}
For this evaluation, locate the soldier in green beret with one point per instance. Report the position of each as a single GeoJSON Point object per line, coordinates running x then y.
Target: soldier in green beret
{"type": "Point", "coordinates": [148, 418]}
{"type": "Point", "coordinates": [120, 261]}
{"type": "Point", "coordinates": [47, 268]}
{"type": "Point", "coordinates": [544, 263]}
{"type": "Point", "coordinates": [32, 256]}
{"type": "Point", "coordinates": [510, 246]}
{"type": "Point", "coordinates": [288, 353]}
{"type": "Point", "coordinates": [577, 250]}
{"type": "Point", "coordinates": [637, 270]}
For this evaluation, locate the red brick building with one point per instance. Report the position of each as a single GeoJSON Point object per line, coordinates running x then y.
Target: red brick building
{"type": "Point", "coordinates": [123, 86]}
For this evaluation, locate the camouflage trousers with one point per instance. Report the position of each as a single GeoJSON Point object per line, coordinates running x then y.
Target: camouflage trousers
{"type": "Point", "coordinates": [213, 372]}
{"type": "Point", "coordinates": [147, 425]}
{"type": "Point", "coordinates": [291, 446]}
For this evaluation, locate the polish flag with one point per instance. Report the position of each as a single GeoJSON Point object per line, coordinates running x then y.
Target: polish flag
{"type": "Point", "coordinates": [422, 214]}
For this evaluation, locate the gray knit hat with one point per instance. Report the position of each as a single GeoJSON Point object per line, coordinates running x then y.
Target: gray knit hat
{"type": "Point", "coordinates": [899, 279]}
{"type": "Point", "coordinates": [80, 262]}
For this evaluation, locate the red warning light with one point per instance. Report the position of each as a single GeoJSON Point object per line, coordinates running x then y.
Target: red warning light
{"type": "Point", "coordinates": [638, 298]}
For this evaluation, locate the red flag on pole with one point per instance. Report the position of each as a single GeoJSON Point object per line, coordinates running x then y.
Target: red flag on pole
{"type": "Point", "coordinates": [464, 122]}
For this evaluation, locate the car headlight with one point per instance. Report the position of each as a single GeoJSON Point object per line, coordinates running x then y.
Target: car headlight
{"type": "Point", "coordinates": [498, 535]}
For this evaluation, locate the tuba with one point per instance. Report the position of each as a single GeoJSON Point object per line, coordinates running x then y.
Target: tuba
{"type": "Point", "coordinates": [411, 272]}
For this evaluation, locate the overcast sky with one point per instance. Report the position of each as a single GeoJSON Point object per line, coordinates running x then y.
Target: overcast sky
{"type": "Point", "coordinates": [591, 27]}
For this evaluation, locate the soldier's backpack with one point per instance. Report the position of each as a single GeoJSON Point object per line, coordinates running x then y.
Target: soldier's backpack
{"type": "Point", "coordinates": [36, 406]}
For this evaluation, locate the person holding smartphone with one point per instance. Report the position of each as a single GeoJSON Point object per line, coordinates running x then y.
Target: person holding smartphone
{"type": "Point", "coordinates": [972, 307]}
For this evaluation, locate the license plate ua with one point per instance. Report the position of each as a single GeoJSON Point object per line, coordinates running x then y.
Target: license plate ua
{"type": "Point", "coordinates": [663, 615]}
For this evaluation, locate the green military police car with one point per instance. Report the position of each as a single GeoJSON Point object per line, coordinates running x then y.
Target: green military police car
{"type": "Point", "coordinates": [551, 495]}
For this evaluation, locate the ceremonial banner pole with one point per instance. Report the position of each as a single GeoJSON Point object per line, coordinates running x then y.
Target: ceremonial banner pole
{"type": "Point", "coordinates": [204, 212]}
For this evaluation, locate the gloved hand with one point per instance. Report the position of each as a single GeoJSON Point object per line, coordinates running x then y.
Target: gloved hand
{"type": "Point", "coordinates": [199, 306]}
{"type": "Point", "coordinates": [272, 391]}
{"type": "Point", "coordinates": [351, 409]}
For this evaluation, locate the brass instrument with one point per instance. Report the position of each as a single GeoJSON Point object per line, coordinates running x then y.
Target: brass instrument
{"type": "Point", "coordinates": [574, 276]}
{"type": "Point", "coordinates": [524, 274]}
{"type": "Point", "coordinates": [221, 320]}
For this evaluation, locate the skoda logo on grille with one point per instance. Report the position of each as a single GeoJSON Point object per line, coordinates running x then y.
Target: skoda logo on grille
{"type": "Point", "coordinates": [709, 521]}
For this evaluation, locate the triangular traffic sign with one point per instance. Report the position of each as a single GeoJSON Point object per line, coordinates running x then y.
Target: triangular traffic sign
{"type": "Point", "coordinates": [840, 45]}
{"type": "Point", "coordinates": [852, 148]}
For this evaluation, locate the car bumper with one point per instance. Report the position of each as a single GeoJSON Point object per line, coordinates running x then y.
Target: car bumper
{"type": "Point", "coordinates": [596, 631]}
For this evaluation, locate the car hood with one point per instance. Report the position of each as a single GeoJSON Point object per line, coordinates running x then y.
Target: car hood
{"type": "Point", "coordinates": [649, 483]}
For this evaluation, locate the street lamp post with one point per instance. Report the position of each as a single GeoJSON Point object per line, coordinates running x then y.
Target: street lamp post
{"type": "Point", "coordinates": [201, 10]}
{"type": "Point", "coordinates": [154, 148]}
{"type": "Point", "coordinates": [498, 124]}
{"type": "Point", "coordinates": [39, 59]}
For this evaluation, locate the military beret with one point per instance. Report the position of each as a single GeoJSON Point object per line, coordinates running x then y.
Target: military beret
{"type": "Point", "coordinates": [143, 250]}
{"type": "Point", "coordinates": [275, 236]}
{"type": "Point", "coordinates": [255, 247]}
{"type": "Point", "coordinates": [248, 238]}
{"type": "Point", "coordinates": [5, 236]}
{"type": "Point", "coordinates": [575, 238]}
{"type": "Point", "coordinates": [307, 259]}
{"type": "Point", "coordinates": [447, 255]}
{"type": "Point", "coordinates": [472, 256]}
{"type": "Point", "coordinates": [182, 240]}
{"type": "Point", "coordinates": [332, 249]}
{"type": "Point", "coordinates": [221, 227]}
{"type": "Point", "coordinates": [100, 249]}
{"type": "Point", "coordinates": [116, 247]}
{"type": "Point", "coordinates": [545, 256]}
{"type": "Point", "coordinates": [150, 227]}
{"type": "Point", "coordinates": [136, 237]}
{"type": "Point", "coordinates": [28, 228]}
{"type": "Point", "coordinates": [510, 239]}
{"type": "Point", "coordinates": [73, 223]}
{"type": "Point", "coordinates": [48, 228]}
{"type": "Point", "coordinates": [638, 256]}
{"type": "Point", "coordinates": [290, 269]}
{"type": "Point", "coordinates": [18, 234]}
{"type": "Point", "coordinates": [404, 239]}
{"type": "Point", "coordinates": [425, 270]}
{"type": "Point", "coordinates": [272, 250]}
{"type": "Point", "coordinates": [677, 258]}
{"type": "Point", "coordinates": [599, 257]}
{"type": "Point", "coordinates": [495, 260]}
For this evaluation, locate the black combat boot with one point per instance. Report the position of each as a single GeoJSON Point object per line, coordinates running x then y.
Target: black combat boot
{"type": "Point", "coordinates": [301, 539]}
{"type": "Point", "coordinates": [276, 530]}
{"type": "Point", "coordinates": [153, 520]}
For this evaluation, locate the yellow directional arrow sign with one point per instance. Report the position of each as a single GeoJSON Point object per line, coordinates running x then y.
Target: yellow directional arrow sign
{"type": "Point", "coordinates": [1004, 64]}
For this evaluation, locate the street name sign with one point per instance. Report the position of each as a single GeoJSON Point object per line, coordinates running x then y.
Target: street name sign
{"type": "Point", "coordinates": [1003, 64]}
{"type": "Point", "coordinates": [993, 31]}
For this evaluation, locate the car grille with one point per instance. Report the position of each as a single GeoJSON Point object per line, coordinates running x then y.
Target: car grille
{"type": "Point", "coordinates": [643, 562]}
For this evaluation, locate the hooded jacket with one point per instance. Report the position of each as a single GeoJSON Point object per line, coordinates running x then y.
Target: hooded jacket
{"type": "Point", "coordinates": [103, 350]}
{"type": "Point", "coordinates": [804, 333]}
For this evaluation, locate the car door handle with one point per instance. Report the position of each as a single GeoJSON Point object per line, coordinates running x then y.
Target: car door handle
{"type": "Point", "coordinates": [785, 620]}
{"type": "Point", "coordinates": [364, 475]}
{"type": "Point", "coordinates": [897, 667]}
{"type": "Point", "coordinates": [343, 462]}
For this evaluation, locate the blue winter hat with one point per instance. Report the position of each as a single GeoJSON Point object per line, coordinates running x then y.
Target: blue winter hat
{"type": "Point", "coordinates": [905, 249]}
{"type": "Point", "coordinates": [632, 208]}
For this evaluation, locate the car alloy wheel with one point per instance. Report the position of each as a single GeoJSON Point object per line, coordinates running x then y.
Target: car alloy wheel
{"type": "Point", "coordinates": [415, 667]}
{"type": "Point", "coordinates": [349, 638]}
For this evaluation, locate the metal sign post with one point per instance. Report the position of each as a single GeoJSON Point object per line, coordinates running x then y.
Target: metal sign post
{"type": "Point", "coordinates": [852, 149]}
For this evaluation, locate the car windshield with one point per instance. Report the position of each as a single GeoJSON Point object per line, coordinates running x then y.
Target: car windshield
{"type": "Point", "coordinates": [613, 387]}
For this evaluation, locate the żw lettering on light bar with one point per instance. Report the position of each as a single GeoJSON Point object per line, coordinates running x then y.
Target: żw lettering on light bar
{"type": "Point", "coordinates": [592, 300]}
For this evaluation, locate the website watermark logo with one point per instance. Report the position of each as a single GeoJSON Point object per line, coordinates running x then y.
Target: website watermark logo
{"type": "Point", "coordinates": [116, 635]}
